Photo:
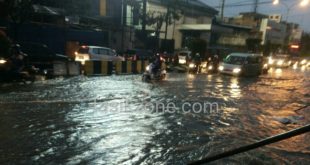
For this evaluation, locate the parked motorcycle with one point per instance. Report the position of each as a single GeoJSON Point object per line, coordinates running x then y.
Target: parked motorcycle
{"type": "Point", "coordinates": [148, 75]}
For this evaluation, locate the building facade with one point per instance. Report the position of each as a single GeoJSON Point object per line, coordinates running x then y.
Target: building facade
{"type": "Point", "coordinates": [195, 21]}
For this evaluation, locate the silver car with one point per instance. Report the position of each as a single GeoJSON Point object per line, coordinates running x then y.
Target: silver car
{"type": "Point", "coordinates": [86, 53]}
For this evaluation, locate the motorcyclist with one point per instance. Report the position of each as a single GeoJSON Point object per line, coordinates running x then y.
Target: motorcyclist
{"type": "Point", "coordinates": [197, 60]}
{"type": "Point", "coordinates": [156, 64]}
{"type": "Point", "coordinates": [17, 59]}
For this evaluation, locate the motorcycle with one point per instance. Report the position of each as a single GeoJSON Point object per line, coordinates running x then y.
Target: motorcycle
{"type": "Point", "coordinates": [148, 75]}
{"type": "Point", "coordinates": [26, 74]}
{"type": "Point", "coordinates": [212, 67]}
{"type": "Point", "coordinates": [194, 67]}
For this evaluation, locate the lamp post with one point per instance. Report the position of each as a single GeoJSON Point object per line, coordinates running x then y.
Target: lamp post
{"type": "Point", "coordinates": [289, 7]}
{"type": "Point", "coordinates": [302, 3]}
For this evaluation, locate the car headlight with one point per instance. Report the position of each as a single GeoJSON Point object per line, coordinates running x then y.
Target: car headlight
{"type": "Point", "coordinates": [270, 61]}
{"type": "Point", "coordinates": [147, 68]}
{"type": "Point", "coordinates": [280, 62]}
{"type": "Point", "coordinates": [210, 67]}
{"type": "Point", "coordinates": [2, 61]}
{"type": "Point", "coordinates": [303, 62]}
{"type": "Point", "coordinates": [192, 65]}
{"type": "Point", "coordinates": [182, 61]}
{"type": "Point", "coordinates": [237, 70]}
{"type": "Point", "coordinates": [221, 68]}
{"type": "Point", "coordinates": [265, 66]}
{"type": "Point", "coordinates": [289, 62]}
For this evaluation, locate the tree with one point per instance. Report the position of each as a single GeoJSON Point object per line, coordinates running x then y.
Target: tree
{"type": "Point", "coordinates": [156, 19]}
{"type": "Point", "coordinates": [18, 11]}
{"type": "Point", "coordinates": [4, 45]}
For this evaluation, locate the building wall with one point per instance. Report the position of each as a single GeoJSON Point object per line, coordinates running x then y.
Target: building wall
{"type": "Point", "coordinates": [273, 32]}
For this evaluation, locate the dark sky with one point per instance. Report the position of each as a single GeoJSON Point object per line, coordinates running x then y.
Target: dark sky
{"type": "Point", "coordinates": [297, 14]}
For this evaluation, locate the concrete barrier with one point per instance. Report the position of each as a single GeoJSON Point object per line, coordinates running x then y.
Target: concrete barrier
{"type": "Point", "coordinates": [74, 68]}
{"type": "Point", "coordinates": [130, 67]}
{"type": "Point", "coordinates": [98, 67]}
{"type": "Point", "coordinates": [59, 68]}
{"type": "Point", "coordinates": [120, 67]}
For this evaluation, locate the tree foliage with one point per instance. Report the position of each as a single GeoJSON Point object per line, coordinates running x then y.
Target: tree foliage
{"type": "Point", "coordinates": [4, 45]}
{"type": "Point", "coordinates": [156, 19]}
{"type": "Point", "coordinates": [18, 11]}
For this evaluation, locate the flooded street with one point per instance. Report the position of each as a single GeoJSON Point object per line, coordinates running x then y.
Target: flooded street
{"type": "Point", "coordinates": [112, 120]}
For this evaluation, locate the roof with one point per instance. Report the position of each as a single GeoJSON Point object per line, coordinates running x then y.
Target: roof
{"type": "Point", "coordinates": [200, 27]}
{"type": "Point", "coordinates": [256, 15]}
{"type": "Point", "coordinates": [245, 54]}
{"type": "Point", "coordinates": [48, 10]}
{"type": "Point", "coordinates": [92, 47]}
{"type": "Point", "coordinates": [190, 4]}
{"type": "Point", "coordinates": [236, 26]}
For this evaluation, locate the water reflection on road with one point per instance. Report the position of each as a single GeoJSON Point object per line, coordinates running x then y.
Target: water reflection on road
{"type": "Point", "coordinates": [106, 120]}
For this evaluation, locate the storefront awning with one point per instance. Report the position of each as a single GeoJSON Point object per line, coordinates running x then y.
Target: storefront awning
{"type": "Point", "coordinates": [198, 27]}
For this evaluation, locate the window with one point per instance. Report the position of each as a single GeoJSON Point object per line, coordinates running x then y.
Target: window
{"type": "Point", "coordinates": [96, 51]}
{"type": "Point", "coordinates": [103, 52]}
{"type": "Point", "coordinates": [111, 53]}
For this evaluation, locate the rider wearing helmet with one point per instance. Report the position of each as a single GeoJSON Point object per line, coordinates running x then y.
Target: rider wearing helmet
{"type": "Point", "coordinates": [17, 59]}
{"type": "Point", "coordinates": [156, 63]}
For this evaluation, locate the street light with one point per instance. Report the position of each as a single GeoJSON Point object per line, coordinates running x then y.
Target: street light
{"type": "Point", "coordinates": [275, 2]}
{"type": "Point", "coordinates": [303, 3]}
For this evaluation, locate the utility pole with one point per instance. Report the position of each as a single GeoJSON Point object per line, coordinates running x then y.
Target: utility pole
{"type": "Point", "coordinates": [255, 5]}
{"type": "Point", "coordinates": [222, 9]}
{"type": "Point", "coordinates": [144, 16]}
{"type": "Point", "coordinates": [144, 34]}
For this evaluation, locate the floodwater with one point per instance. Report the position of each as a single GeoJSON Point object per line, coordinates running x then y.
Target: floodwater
{"type": "Point", "coordinates": [121, 120]}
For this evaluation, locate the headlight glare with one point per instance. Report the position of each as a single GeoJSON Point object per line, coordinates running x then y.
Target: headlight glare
{"type": "Point", "coordinates": [237, 70]}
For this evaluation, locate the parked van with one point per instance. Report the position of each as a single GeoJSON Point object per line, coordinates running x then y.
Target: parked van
{"type": "Point", "coordinates": [243, 64]}
{"type": "Point", "coordinates": [86, 53]}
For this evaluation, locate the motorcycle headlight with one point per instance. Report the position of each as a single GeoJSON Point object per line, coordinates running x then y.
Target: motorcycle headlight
{"type": "Point", "coordinates": [191, 65]}
{"type": "Point", "coordinates": [303, 62]}
{"type": "Point", "coordinates": [280, 62]}
{"type": "Point", "coordinates": [270, 61]}
{"type": "Point", "coordinates": [289, 62]}
{"type": "Point", "coordinates": [210, 67]}
{"type": "Point", "coordinates": [204, 65]}
{"type": "Point", "coordinates": [237, 70]}
{"type": "Point", "coordinates": [182, 61]}
{"type": "Point", "coordinates": [147, 68]}
{"type": "Point", "coordinates": [265, 66]}
{"type": "Point", "coordinates": [2, 61]}
{"type": "Point", "coordinates": [221, 68]}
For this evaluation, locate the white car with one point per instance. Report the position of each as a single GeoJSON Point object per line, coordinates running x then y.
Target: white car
{"type": "Point", "coordinates": [184, 56]}
{"type": "Point", "coordinates": [242, 64]}
{"type": "Point", "coordinates": [86, 53]}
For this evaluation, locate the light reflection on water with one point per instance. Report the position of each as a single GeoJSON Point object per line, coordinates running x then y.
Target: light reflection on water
{"type": "Point", "coordinates": [77, 120]}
